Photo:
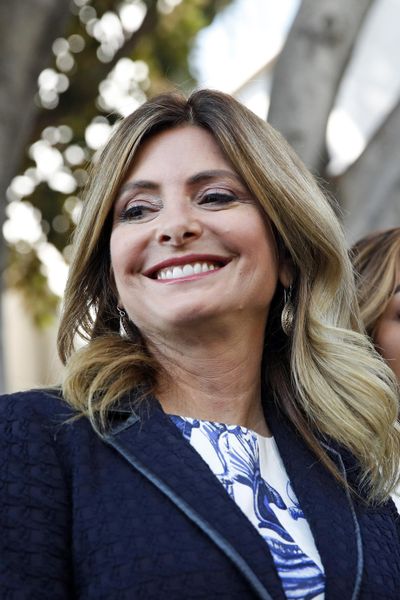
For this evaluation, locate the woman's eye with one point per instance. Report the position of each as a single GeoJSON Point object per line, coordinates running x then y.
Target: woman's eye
{"type": "Point", "coordinates": [137, 213]}
{"type": "Point", "coordinates": [217, 199]}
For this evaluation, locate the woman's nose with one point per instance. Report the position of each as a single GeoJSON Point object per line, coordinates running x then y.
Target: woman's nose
{"type": "Point", "coordinates": [179, 228]}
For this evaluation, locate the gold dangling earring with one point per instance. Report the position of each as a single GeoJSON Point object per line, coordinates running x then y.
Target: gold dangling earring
{"type": "Point", "coordinates": [287, 315]}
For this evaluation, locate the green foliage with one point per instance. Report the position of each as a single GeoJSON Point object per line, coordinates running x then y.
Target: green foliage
{"type": "Point", "coordinates": [166, 48]}
{"type": "Point", "coordinates": [163, 42]}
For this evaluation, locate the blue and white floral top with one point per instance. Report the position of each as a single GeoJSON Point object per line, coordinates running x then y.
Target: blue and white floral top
{"type": "Point", "coordinates": [252, 472]}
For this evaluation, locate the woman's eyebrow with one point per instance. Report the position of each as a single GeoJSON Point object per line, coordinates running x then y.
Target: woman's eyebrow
{"type": "Point", "coordinates": [144, 184]}
{"type": "Point", "coordinates": [140, 184]}
{"type": "Point", "coordinates": [212, 174]}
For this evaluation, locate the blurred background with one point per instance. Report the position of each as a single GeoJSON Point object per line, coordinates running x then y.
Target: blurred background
{"type": "Point", "coordinates": [326, 73]}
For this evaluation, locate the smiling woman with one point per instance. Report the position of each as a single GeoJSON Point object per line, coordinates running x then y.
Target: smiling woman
{"type": "Point", "coordinates": [227, 430]}
{"type": "Point", "coordinates": [189, 245]}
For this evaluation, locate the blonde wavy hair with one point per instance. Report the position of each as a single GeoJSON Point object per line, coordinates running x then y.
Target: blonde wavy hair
{"type": "Point", "coordinates": [326, 377]}
{"type": "Point", "coordinates": [376, 259]}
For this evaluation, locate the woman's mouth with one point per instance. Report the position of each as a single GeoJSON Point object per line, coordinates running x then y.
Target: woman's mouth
{"type": "Point", "coordinates": [186, 267]}
{"type": "Point", "coordinates": [186, 270]}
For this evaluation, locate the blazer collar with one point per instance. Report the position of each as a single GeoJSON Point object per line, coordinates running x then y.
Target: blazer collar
{"type": "Point", "coordinates": [327, 506]}
{"type": "Point", "coordinates": [153, 445]}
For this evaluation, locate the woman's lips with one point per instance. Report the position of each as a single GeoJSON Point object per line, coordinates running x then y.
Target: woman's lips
{"type": "Point", "coordinates": [186, 267]}
{"type": "Point", "coordinates": [186, 270]}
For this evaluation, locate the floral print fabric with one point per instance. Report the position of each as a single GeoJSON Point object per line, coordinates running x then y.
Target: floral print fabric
{"type": "Point", "coordinates": [252, 472]}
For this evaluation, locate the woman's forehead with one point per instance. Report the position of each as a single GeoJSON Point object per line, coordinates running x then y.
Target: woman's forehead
{"type": "Point", "coordinates": [180, 152]}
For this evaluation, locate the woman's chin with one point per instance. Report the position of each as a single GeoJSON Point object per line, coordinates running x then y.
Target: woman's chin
{"type": "Point", "coordinates": [191, 316]}
{"type": "Point", "coordinates": [186, 320]}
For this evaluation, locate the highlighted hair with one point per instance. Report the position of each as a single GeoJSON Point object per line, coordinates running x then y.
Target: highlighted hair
{"type": "Point", "coordinates": [326, 378]}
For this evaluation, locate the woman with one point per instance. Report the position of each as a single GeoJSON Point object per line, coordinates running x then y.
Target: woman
{"type": "Point", "coordinates": [226, 430]}
{"type": "Point", "coordinates": [376, 259]}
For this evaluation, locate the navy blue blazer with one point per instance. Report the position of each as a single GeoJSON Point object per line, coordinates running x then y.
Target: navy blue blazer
{"type": "Point", "coordinates": [137, 514]}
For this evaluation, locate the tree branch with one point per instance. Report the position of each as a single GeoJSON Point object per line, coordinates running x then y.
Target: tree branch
{"type": "Point", "coordinates": [373, 182]}
{"type": "Point", "coordinates": [308, 73]}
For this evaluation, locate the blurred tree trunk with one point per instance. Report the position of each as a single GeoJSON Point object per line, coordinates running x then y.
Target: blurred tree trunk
{"type": "Point", "coordinates": [308, 73]}
{"type": "Point", "coordinates": [369, 191]}
{"type": "Point", "coordinates": [306, 80]}
{"type": "Point", "coordinates": [27, 31]}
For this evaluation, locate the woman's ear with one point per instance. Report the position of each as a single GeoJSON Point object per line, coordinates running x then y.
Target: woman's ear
{"type": "Point", "coordinates": [286, 272]}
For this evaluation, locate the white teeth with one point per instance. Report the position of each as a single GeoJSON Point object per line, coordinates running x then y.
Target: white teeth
{"type": "Point", "coordinates": [165, 274]}
{"type": "Point", "coordinates": [188, 270]}
{"type": "Point", "coordinates": [177, 272]}
{"type": "Point", "coordinates": [185, 270]}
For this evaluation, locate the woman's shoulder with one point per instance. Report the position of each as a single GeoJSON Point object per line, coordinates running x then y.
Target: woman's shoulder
{"type": "Point", "coordinates": [46, 403]}
{"type": "Point", "coordinates": [40, 440]}
{"type": "Point", "coordinates": [37, 417]}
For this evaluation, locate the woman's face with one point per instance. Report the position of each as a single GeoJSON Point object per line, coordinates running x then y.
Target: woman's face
{"type": "Point", "coordinates": [188, 243]}
{"type": "Point", "coordinates": [387, 336]}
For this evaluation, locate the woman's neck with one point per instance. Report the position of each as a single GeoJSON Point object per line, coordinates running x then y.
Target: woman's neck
{"type": "Point", "coordinates": [215, 378]}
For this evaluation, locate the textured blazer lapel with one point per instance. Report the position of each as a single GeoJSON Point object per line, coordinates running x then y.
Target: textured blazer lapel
{"type": "Point", "coordinates": [328, 508]}
{"type": "Point", "coordinates": [156, 448]}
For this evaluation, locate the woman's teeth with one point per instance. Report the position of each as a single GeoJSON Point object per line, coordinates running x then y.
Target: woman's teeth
{"type": "Point", "coordinates": [186, 270]}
